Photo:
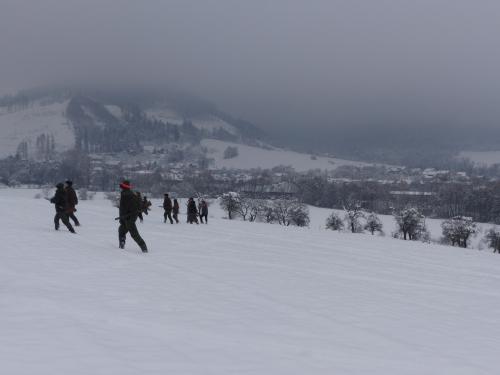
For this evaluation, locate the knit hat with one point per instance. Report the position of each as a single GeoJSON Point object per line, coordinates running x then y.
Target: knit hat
{"type": "Point", "coordinates": [69, 182]}
{"type": "Point", "coordinates": [125, 185]}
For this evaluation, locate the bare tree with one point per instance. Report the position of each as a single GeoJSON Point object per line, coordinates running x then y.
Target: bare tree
{"type": "Point", "coordinates": [334, 222]}
{"type": "Point", "coordinates": [411, 224]}
{"type": "Point", "coordinates": [256, 209]}
{"type": "Point", "coordinates": [493, 238]}
{"type": "Point", "coordinates": [353, 214]}
{"type": "Point", "coordinates": [229, 203]}
{"type": "Point", "coordinates": [243, 206]}
{"type": "Point", "coordinates": [299, 215]}
{"type": "Point", "coordinates": [288, 211]}
{"type": "Point", "coordinates": [373, 223]}
{"type": "Point", "coordinates": [267, 212]}
{"type": "Point", "coordinates": [458, 229]}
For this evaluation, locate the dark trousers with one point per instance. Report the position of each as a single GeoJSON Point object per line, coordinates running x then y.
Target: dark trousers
{"type": "Point", "coordinates": [63, 216]}
{"type": "Point", "coordinates": [73, 217]}
{"type": "Point", "coordinates": [204, 216]}
{"type": "Point", "coordinates": [176, 217]}
{"type": "Point", "coordinates": [191, 218]}
{"type": "Point", "coordinates": [168, 215]}
{"type": "Point", "coordinates": [128, 226]}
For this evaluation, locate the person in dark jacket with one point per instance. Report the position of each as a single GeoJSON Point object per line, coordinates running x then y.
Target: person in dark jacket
{"type": "Point", "coordinates": [175, 211]}
{"type": "Point", "coordinates": [61, 205]}
{"type": "Point", "coordinates": [192, 212]}
{"type": "Point", "coordinates": [167, 206]}
{"type": "Point", "coordinates": [72, 201]}
{"type": "Point", "coordinates": [130, 206]}
{"type": "Point", "coordinates": [203, 211]}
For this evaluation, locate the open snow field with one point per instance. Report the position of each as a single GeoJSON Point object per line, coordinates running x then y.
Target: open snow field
{"type": "Point", "coordinates": [236, 298]}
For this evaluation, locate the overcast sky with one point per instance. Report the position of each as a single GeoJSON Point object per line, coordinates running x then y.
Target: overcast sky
{"type": "Point", "coordinates": [280, 63]}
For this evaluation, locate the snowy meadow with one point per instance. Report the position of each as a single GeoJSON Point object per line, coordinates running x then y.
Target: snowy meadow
{"type": "Point", "coordinates": [233, 297]}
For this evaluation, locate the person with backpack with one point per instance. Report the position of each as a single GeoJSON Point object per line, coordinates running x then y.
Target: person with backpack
{"type": "Point", "coordinates": [61, 205]}
{"type": "Point", "coordinates": [175, 211]}
{"type": "Point", "coordinates": [192, 212]}
{"type": "Point", "coordinates": [130, 207]}
{"type": "Point", "coordinates": [146, 205]}
{"type": "Point", "coordinates": [167, 206]}
{"type": "Point", "coordinates": [72, 201]}
{"type": "Point", "coordinates": [203, 211]}
{"type": "Point", "coordinates": [139, 212]}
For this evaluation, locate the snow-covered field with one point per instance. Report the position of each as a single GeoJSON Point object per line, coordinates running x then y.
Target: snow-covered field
{"type": "Point", "coordinates": [27, 124]}
{"type": "Point", "coordinates": [319, 216]}
{"type": "Point", "coordinates": [254, 157]}
{"type": "Point", "coordinates": [236, 298]}
{"type": "Point", "coordinates": [482, 157]}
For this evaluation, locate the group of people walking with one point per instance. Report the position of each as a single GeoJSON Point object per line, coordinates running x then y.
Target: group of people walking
{"type": "Point", "coordinates": [193, 212]}
{"type": "Point", "coordinates": [65, 201]}
{"type": "Point", "coordinates": [132, 206]}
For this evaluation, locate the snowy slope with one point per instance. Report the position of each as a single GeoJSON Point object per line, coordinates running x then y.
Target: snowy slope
{"type": "Point", "coordinates": [255, 157]}
{"type": "Point", "coordinates": [27, 124]}
{"type": "Point", "coordinates": [236, 298]}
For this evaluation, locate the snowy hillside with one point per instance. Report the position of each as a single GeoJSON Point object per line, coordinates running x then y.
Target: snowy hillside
{"type": "Point", "coordinates": [27, 124]}
{"type": "Point", "coordinates": [89, 119]}
{"type": "Point", "coordinates": [209, 122]}
{"type": "Point", "coordinates": [255, 157]}
{"type": "Point", "coordinates": [236, 298]}
{"type": "Point", "coordinates": [40, 124]}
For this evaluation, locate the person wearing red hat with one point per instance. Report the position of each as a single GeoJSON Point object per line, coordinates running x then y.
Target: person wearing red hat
{"type": "Point", "coordinates": [129, 210]}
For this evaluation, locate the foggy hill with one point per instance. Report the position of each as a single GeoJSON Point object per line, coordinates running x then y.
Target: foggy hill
{"type": "Point", "coordinates": [40, 121]}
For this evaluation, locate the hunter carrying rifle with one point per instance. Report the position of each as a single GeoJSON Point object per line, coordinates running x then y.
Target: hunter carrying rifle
{"type": "Point", "coordinates": [130, 207]}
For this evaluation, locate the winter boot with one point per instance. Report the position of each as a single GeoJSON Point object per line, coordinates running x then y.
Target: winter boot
{"type": "Point", "coordinates": [144, 249]}
{"type": "Point", "coordinates": [121, 245]}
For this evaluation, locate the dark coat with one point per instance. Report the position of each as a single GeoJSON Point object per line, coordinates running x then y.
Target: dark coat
{"type": "Point", "coordinates": [59, 200]}
{"type": "Point", "coordinates": [176, 207]}
{"type": "Point", "coordinates": [204, 209]}
{"type": "Point", "coordinates": [167, 204]}
{"type": "Point", "coordinates": [130, 205]}
{"type": "Point", "coordinates": [191, 208]}
{"type": "Point", "coordinates": [72, 199]}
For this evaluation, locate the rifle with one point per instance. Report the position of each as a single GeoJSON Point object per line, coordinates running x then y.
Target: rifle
{"type": "Point", "coordinates": [123, 217]}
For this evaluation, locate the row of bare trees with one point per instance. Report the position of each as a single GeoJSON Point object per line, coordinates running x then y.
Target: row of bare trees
{"type": "Point", "coordinates": [410, 225]}
{"type": "Point", "coordinates": [281, 211]}
{"type": "Point", "coordinates": [353, 220]}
